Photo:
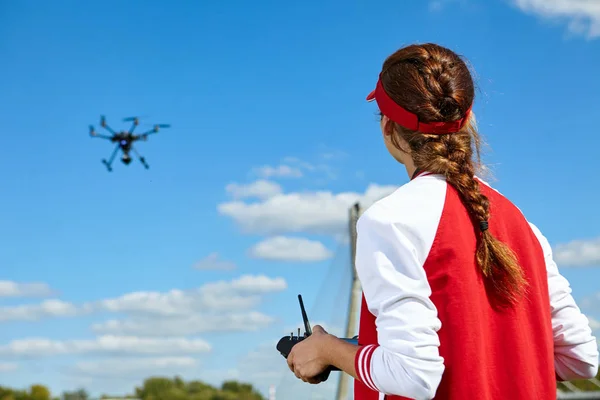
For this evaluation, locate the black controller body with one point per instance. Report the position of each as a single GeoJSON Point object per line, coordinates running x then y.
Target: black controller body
{"type": "Point", "coordinates": [286, 344]}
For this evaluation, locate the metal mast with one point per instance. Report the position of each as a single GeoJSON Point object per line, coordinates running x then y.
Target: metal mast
{"type": "Point", "coordinates": [272, 392]}
{"type": "Point", "coordinates": [355, 296]}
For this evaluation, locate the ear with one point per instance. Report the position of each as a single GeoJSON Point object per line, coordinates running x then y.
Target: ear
{"type": "Point", "coordinates": [387, 126]}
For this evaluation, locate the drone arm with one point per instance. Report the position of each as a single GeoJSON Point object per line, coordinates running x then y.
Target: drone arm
{"type": "Point", "coordinates": [144, 135]}
{"type": "Point", "coordinates": [101, 136]}
{"type": "Point", "coordinates": [108, 128]}
{"type": "Point", "coordinates": [105, 125]}
{"type": "Point", "coordinates": [133, 125]}
{"type": "Point", "coordinates": [154, 130]}
{"type": "Point", "coordinates": [114, 153]}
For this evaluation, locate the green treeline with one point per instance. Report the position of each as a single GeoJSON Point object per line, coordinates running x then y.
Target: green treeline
{"type": "Point", "coordinates": [159, 388]}
{"type": "Point", "coordinates": [155, 388]}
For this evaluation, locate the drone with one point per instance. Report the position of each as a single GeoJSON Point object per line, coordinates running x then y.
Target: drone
{"type": "Point", "coordinates": [125, 140]}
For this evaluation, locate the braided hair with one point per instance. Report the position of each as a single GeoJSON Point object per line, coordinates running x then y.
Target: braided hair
{"type": "Point", "coordinates": [435, 84]}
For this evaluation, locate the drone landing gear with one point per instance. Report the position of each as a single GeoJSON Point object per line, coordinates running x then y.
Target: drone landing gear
{"type": "Point", "coordinates": [142, 159]}
{"type": "Point", "coordinates": [108, 167]}
{"type": "Point", "coordinates": [112, 157]}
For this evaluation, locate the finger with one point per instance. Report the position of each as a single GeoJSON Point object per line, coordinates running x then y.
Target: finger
{"type": "Point", "coordinates": [319, 329]}
{"type": "Point", "coordinates": [313, 381]}
{"type": "Point", "coordinates": [290, 362]}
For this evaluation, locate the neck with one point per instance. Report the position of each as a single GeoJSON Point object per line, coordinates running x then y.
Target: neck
{"type": "Point", "coordinates": [410, 168]}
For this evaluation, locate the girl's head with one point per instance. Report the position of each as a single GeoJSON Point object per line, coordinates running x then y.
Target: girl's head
{"type": "Point", "coordinates": [425, 94]}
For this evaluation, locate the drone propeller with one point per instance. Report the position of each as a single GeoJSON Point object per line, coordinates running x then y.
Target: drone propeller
{"type": "Point", "coordinates": [157, 126]}
{"type": "Point", "coordinates": [135, 120]}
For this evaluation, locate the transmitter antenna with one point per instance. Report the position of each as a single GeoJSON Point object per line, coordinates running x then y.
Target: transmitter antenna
{"type": "Point", "coordinates": [307, 327]}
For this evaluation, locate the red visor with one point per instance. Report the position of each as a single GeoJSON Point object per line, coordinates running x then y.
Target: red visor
{"type": "Point", "coordinates": [408, 120]}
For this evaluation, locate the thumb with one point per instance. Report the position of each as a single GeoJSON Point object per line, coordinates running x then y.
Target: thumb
{"type": "Point", "coordinates": [318, 328]}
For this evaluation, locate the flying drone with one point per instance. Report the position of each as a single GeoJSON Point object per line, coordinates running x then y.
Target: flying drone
{"type": "Point", "coordinates": [125, 140]}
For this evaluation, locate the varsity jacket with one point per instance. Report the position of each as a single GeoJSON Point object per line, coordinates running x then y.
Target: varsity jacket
{"type": "Point", "coordinates": [427, 328]}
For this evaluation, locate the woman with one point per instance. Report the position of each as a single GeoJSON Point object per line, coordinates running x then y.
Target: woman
{"type": "Point", "coordinates": [461, 297]}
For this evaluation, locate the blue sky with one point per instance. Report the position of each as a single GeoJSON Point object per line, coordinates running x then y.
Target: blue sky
{"type": "Point", "coordinates": [271, 139]}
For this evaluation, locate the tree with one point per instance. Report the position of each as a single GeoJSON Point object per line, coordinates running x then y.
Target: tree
{"type": "Point", "coordinates": [161, 388]}
{"type": "Point", "coordinates": [79, 394]}
{"type": "Point", "coordinates": [199, 390]}
{"type": "Point", "coordinates": [153, 388]}
{"type": "Point", "coordinates": [39, 392]}
{"type": "Point", "coordinates": [243, 391]}
{"type": "Point", "coordinates": [6, 393]}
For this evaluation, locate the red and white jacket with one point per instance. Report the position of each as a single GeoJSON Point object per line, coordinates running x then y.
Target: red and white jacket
{"type": "Point", "coordinates": [427, 329]}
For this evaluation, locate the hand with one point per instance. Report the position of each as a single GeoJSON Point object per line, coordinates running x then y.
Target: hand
{"type": "Point", "coordinates": [309, 357]}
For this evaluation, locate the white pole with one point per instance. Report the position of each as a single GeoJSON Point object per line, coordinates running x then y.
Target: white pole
{"type": "Point", "coordinates": [355, 297]}
{"type": "Point", "coordinates": [272, 392]}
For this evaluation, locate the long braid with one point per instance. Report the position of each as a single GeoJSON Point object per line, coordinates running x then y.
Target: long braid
{"type": "Point", "coordinates": [436, 85]}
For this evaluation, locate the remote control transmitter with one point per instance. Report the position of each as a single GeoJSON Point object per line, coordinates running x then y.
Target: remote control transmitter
{"type": "Point", "coordinates": [286, 343]}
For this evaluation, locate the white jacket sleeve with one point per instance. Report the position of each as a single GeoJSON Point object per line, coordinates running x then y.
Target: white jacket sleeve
{"type": "Point", "coordinates": [406, 362]}
{"type": "Point", "coordinates": [575, 348]}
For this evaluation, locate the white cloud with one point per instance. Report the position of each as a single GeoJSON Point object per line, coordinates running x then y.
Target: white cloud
{"type": "Point", "coordinates": [7, 367]}
{"type": "Point", "coordinates": [311, 212]}
{"type": "Point", "coordinates": [320, 168]}
{"type": "Point", "coordinates": [39, 347]}
{"type": "Point", "coordinates": [32, 289]}
{"type": "Point", "coordinates": [245, 285]}
{"type": "Point", "coordinates": [189, 325]}
{"type": "Point", "coordinates": [212, 262]}
{"type": "Point", "coordinates": [280, 171]}
{"type": "Point", "coordinates": [214, 307]}
{"type": "Point", "coordinates": [582, 16]}
{"type": "Point", "coordinates": [323, 170]}
{"type": "Point", "coordinates": [299, 163]}
{"type": "Point", "coordinates": [281, 248]}
{"type": "Point", "coordinates": [238, 294]}
{"type": "Point", "coordinates": [578, 253]}
{"type": "Point", "coordinates": [46, 309]}
{"type": "Point", "coordinates": [133, 367]}
{"type": "Point", "coordinates": [173, 302]}
{"type": "Point", "coordinates": [333, 155]}
{"type": "Point", "coordinates": [260, 189]}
